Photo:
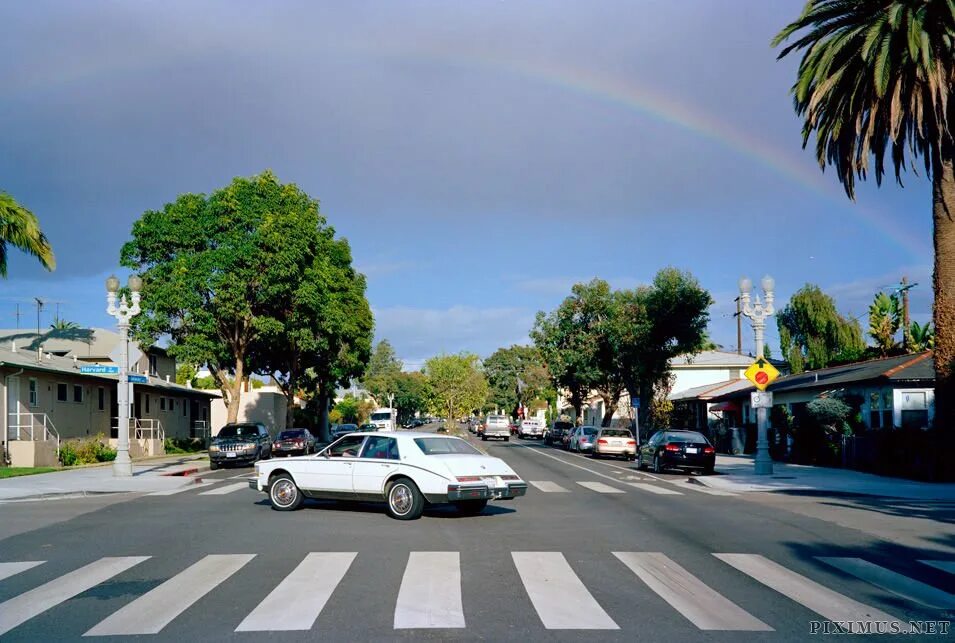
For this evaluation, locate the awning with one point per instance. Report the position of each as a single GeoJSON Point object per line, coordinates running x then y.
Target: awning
{"type": "Point", "coordinates": [724, 406]}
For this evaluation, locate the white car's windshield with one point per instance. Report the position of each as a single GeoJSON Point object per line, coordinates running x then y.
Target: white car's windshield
{"type": "Point", "coordinates": [437, 446]}
{"type": "Point", "coordinates": [380, 417]}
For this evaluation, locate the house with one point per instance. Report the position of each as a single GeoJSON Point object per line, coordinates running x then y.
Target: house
{"type": "Point", "coordinates": [891, 392]}
{"type": "Point", "coordinates": [47, 398]}
{"type": "Point", "coordinates": [690, 372]}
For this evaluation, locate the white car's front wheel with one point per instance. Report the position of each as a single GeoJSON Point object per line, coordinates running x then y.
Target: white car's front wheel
{"type": "Point", "coordinates": [284, 493]}
{"type": "Point", "coordinates": [405, 502]}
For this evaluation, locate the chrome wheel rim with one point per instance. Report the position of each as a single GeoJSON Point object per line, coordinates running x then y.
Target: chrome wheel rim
{"type": "Point", "coordinates": [401, 499]}
{"type": "Point", "coordinates": [283, 492]}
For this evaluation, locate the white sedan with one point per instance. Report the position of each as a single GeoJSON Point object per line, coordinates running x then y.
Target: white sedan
{"type": "Point", "coordinates": [405, 470]}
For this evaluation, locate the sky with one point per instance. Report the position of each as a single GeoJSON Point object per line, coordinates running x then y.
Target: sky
{"type": "Point", "coordinates": [480, 156]}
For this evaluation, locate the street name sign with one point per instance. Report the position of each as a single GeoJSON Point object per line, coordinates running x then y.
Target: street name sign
{"type": "Point", "coordinates": [761, 399]}
{"type": "Point", "coordinates": [761, 373]}
{"type": "Point", "coordinates": [138, 379]}
{"type": "Point", "coordinates": [99, 370]}
{"type": "Point", "coordinates": [635, 402]}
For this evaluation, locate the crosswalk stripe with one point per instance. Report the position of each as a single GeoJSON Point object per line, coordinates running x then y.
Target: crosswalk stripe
{"type": "Point", "coordinates": [185, 487]}
{"type": "Point", "coordinates": [550, 583]}
{"type": "Point", "coordinates": [663, 491]}
{"type": "Point", "coordinates": [688, 595]}
{"type": "Point", "coordinates": [430, 594]}
{"type": "Point", "coordinates": [599, 487]}
{"type": "Point", "coordinates": [547, 486]}
{"type": "Point", "coordinates": [893, 582]}
{"type": "Point", "coordinates": [22, 608]}
{"type": "Point", "coordinates": [9, 569]}
{"type": "Point", "coordinates": [229, 488]}
{"type": "Point", "coordinates": [700, 488]}
{"type": "Point", "coordinates": [944, 565]}
{"type": "Point", "coordinates": [152, 611]}
{"type": "Point", "coordinates": [830, 605]}
{"type": "Point", "coordinates": [301, 596]}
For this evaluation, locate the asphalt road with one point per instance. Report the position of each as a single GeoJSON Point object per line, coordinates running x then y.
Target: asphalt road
{"type": "Point", "coordinates": [596, 551]}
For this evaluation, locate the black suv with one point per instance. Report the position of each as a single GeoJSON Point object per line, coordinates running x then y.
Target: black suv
{"type": "Point", "coordinates": [243, 442]}
{"type": "Point", "coordinates": [557, 431]}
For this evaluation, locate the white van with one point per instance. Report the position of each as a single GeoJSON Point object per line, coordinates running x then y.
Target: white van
{"type": "Point", "coordinates": [383, 419]}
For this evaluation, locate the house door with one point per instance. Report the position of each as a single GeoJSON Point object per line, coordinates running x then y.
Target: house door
{"type": "Point", "coordinates": [113, 411]}
{"type": "Point", "coordinates": [13, 408]}
{"type": "Point", "coordinates": [137, 405]}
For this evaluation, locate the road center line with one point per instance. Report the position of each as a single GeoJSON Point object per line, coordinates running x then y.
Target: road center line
{"type": "Point", "coordinates": [569, 464]}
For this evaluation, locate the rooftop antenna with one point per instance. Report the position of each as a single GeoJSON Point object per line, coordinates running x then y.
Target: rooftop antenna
{"type": "Point", "coordinates": [39, 346]}
{"type": "Point", "coordinates": [17, 314]}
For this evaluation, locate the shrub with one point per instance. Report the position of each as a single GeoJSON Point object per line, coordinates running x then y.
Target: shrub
{"type": "Point", "coordinates": [184, 445]}
{"type": "Point", "coordinates": [68, 456]}
{"type": "Point", "coordinates": [87, 451]}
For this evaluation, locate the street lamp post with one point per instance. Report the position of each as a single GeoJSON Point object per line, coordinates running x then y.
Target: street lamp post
{"type": "Point", "coordinates": [123, 465]}
{"type": "Point", "coordinates": [758, 312]}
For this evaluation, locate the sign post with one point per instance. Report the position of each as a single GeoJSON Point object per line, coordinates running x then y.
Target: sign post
{"type": "Point", "coordinates": [635, 403]}
{"type": "Point", "coordinates": [762, 373]}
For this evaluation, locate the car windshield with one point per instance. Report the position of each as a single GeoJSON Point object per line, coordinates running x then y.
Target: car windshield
{"type": "Point", "coordinates": [238, 431]}
{"type": "Point", "coordinates": [562, 426]}
{"type": "Point", "coordinates": [289, 435]}
{"type": "Point", "coordinates": [615, 433]}
{"type": "Point", "coordinates": [346, 428]}
{"type": "Point", "coordinates": [380, 417]}
{"type": "Point", "coordinates": [685, 436]}
{"type": "Point", "coordinates": [438, 446]}
{"type": "Point", "coordinates": [588, 430]}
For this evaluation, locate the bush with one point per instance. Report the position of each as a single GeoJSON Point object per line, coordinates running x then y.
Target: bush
{"type": "Point", "coordinates": [175, 446]}
{"type": "Point", "coordinates": [86, 451]}
{"type": "Point", "coordinates": [68, 456]}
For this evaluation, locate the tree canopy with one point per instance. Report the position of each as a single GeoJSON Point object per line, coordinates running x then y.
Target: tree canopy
{"type": "Point", "coordinates": [813, 334]}
{"type": "Point", "coordinates": [885, 319]}
{"type": "Point", "coordinates": [457, 384]}
{"type": "Point", "coordinates": [384, 369]}
{"type": "Point", "coordinates": [517, 374]}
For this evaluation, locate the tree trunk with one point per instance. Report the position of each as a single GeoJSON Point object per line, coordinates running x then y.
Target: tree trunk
{"type": "Point", "coordinates": [577, 401]}
{"type": "Point", "coordinates": [943, 194]}
{"type": "Point", "coordinates": [322, 427]}
{"type": "Point", "coordinates": [235, 392]}
{"type": "Point", "coordinates": [610, 401]}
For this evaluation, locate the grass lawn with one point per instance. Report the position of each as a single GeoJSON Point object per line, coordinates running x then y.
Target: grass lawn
{"type": "Point", "coordinates": [12, 472]}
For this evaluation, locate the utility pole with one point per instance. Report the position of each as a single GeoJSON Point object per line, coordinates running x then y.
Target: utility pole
{"type": "Point", "coordinates": [39, 307]}
{"type": "Point", "coordinates": [906, 328]}
{"type": "Point", "coordinates": [17, 315]}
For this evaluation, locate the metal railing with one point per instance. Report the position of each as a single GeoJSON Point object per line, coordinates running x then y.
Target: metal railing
{"type": "Point", "coordinates": [200, 429]}
{"type": "Point", "coordinates": [35, 427]}
{"type": "Point", "coordinates": [150, 429]}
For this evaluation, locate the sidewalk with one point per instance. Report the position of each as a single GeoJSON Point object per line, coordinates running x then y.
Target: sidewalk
{"type": "Point", "coordinates": [155, 474]}
{"type": "Point", "coordinates": [735, 473]}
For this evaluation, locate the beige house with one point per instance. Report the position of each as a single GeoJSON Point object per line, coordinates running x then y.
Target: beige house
{"type": "Point", "coordinates": [47, 398]}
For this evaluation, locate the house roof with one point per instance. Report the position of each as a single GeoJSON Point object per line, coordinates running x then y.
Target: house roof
{"type": "Point", "coordinates": [915, 368]}
{"type": "Point", "coordinates": [27, 360]}
{"type": "Point", "coordinates": [709, 391]}
{"type": "Point", "coordinates": [709, 359]}
{"type": "Point", "coordinates": [84, 343]}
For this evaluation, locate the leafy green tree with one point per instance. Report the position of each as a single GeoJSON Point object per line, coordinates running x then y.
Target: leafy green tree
{"type": "Point", "coordinates": [21, 229]}
{"type": "Point", "coordinates": [381, 376]}
{"type": "Point", "coordinates": [186, 375]}
{"type": "Point", "coordinates": [412, 395]}
{"type": "Point", "coordinates": [517, 374]}
{"type": "Point", "coordinates": [457, 384]}
{"type": "Point", "coordinates": [350, 410]}
{"type": "Point", "coordinates": [813, 334]}
{"type": "Point", "coordinates": [885, 319]}
{"type": "Point", "coordinates": [216, 268]}
{"type": "Point", "coordinates": [877, 79]}
{"type": "Point", "coordinates": [922, 337]}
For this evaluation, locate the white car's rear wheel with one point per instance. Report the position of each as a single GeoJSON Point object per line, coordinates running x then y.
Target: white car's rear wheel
{"type": "Point", "coordinates": [284, 493]}
{"type": "Point", "coordinates": [405, 502]}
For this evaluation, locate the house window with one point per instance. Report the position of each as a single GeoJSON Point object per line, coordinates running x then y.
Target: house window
{"type": "Point", "coordinates": [77, 393]}
{"type": "Point", "coordinates": [914, 410]}
{"type": "Point", "coordinates": [153, 366]}
{"type": "Point", "coordinates": [34, 401]}
{"type": "Point", "coordinates": [62, 393]}
{"type": "Point", "coordinates": [147, 403]}
{"type": "Point", "coordinates": [162, 404]}
{"type": "Point", "coordinates": [101, 398]}
{"type": "Point", "coordinates": [875, 410]}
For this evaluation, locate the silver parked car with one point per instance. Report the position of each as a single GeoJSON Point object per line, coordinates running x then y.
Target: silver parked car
{"type": "Point", "coordinates": [618, 442]}
{"type": "Point", "coordinates": [582, 439]}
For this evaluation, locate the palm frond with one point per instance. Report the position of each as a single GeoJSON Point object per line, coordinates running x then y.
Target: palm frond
{"type": "Point", "coordinates": [20, 228]}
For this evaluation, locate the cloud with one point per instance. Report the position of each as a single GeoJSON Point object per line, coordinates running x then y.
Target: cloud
{"type": "Point", "coordinates": [854, 297]}
{"type": "Point", "coordinates": [420, 333]}
{"type": "Point", "coordinates": [563, 285]}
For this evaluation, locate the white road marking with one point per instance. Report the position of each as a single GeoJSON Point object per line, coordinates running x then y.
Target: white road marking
{"type": "Point", "coordinates": [22, 608]}
{"type": "Point", "coordinates": [599, 487]}
{"type": "Point", "coordinates": [944, 565]}
{"type": "Point", "coordinates": [701, 605]}
{"type": "Point", "coordinates": [9, 569]}
{"type": "Point", "coordinates": [430, 594]}
{"type": "Point", "coordinates": [682, 484]}
{"type": "Point", "coordinates": [244, 476]}
{"type": "Point", "coordinates": [301, 596]}
{"type": "Point", "coordinates": [569, 464]}
{"type": "Point", "coordinates": [818, 598]}
{"type": "Point", "coordinates": [155, 609]}
{"type": "Point", "coordinates": [652, 488]}
{"type": "Point", "coordinates": [548, 487]}
{"type": "Point", "coordinates": [551, 583]}
{"type": "Point", "coordinates": [187, 487]}
{"type": "Point", "coordinates": [893, 582]}
{"type": "Point", "coordinates": [229, 488]}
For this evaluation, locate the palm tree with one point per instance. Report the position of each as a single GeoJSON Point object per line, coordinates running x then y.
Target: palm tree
{"type": "Point", "coordinates": [877, 79]}
{"type": "Point", "coordinates": [885, 319]}
{"type": "Point", "coordinates": [62, 324]}
{"type": "Point", "coordinates": [19, 227]}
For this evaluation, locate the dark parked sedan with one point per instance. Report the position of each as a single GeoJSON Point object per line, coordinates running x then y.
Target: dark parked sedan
{"type": "Point", "coordinates": [687, 450]}
{"type": "Point", "coordinates": [294, 442]}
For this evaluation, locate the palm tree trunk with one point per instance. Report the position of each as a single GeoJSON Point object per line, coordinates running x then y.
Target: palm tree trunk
{"type": "Point", "coordinates": [943, 194]}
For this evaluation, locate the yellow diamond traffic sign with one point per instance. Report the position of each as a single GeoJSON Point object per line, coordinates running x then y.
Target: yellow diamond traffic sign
{"type": "Point", "coordinates": [761, 373]}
